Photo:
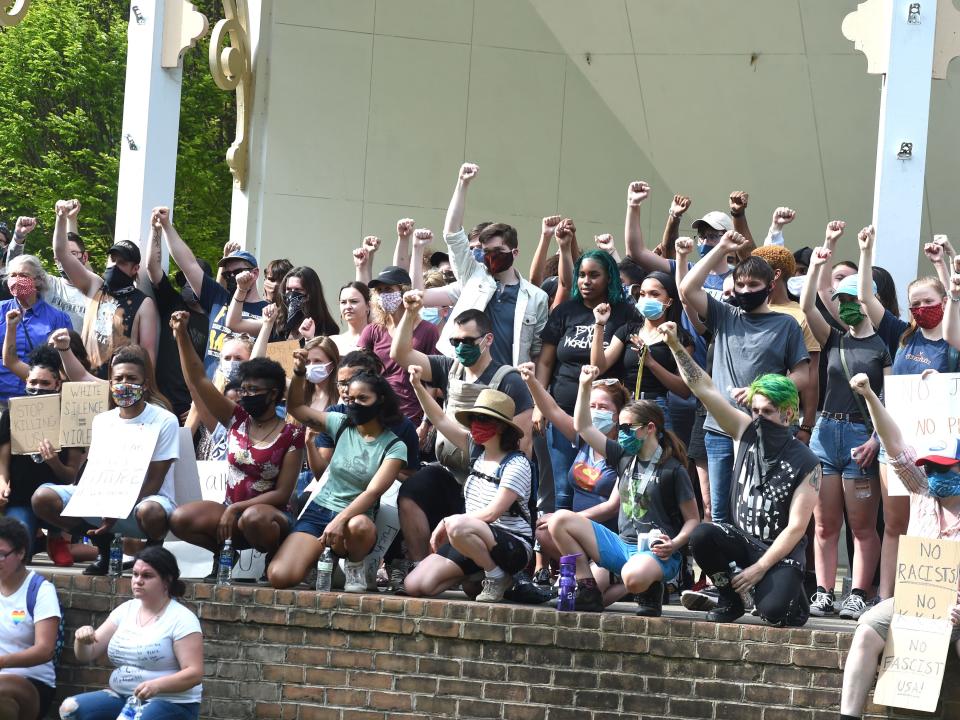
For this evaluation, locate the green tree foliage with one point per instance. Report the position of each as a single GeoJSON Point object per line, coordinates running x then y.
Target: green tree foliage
{"type": "Point", "coordinates": [62, 72]}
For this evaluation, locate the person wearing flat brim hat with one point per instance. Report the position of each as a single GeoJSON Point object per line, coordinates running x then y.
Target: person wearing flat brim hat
{"type": "Point", "coordinates": [390, 275]}
{"type": "Point", "coordinates": [848, 286]}
{"type": "Point", "coordinates": [492, 404]}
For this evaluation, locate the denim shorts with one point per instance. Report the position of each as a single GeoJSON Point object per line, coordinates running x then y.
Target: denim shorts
{"type": "Point", "coordinates": [314, 520]}
{"type": "Point", "coordinates": [615, 552]}
{"type": "Point", "coordinates": [128, 526]}
{"type": "Point", "coordinates": [832, 441]}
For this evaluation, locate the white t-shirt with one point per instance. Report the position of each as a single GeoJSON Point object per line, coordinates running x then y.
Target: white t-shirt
{"type": "Point", "coordinates": [146, 653]}
{"type": "Point", "coordinates": [16, 627]}
{"type": "Point", "coordinates": [168, 441]}
{"type": "Point", "coordinates": [61, 294]}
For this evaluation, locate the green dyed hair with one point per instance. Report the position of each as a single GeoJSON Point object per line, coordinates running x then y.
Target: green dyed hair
{"type": "Point", "coordinates": [614, 286]}
{"type": "Point", "coordinates": [778, 389]}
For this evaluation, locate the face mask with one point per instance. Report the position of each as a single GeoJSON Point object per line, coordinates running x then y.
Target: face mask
{"type": "Point", "coordinates": [731, 300]}
{"type": "Point", "coordinates": [116, 280]}
{"type": "Point", "coordinates": [255, 405]}
{"type": "Point", "coordinates": [390, 301]}
{"type": "Point", "coordinates": [704, 249]}
{"type": "Point", "coordinates": [927, 316]}
{"type": "Point", "coordinates": [230, 369]}
{"type": "Point", "coordinates": [795, 285]}
{"type": "Point", "coordinates": [651, 309]}
{"type": "Point", "coordinates": [295, 301]}
{"type": "Point", "coordinates": [468, 355]}
{"type": "Point", "coordinates": [431, 315]}
{"type": "Point", "coordinates": [231, 284]}
{"type": "Point", "coordinates": [360, 414]}
{"type": "Point", "coordinates": [126, 394]}
{"type": "Point", "coordinates": [629, 441]}
{"type": "Point", "coordinates": [21, 286]}
{"type": "Point", "coordinates": [851, 313]}
{"type": "Point", "coordinates": [749, 301]}
{"type": "Point", "coordinates": [40, 391]}
{"type": "Point", "coordinates": [602, 420]}
{"type": "Point", "coordinates": [188, 295]}
{"type": "Point", "coordinates": [478, 254]}
{"type": "Point", "coordinates": [482, 431]}
{"type": "Point", "coordinates": [497, 261]}
{"type": "Point", "coordinates": [943, 484]}
{"type": "Point", "coordinates": [318, 372]}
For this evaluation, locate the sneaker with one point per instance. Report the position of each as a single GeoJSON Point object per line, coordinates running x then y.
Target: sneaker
{"type": "Point", "coordinates": [58, 550]}
{"type": "Point", "coordinates": [822, 602]}
{"type": "Point", "coordinates": [588, 598]}
{"type": "Point", "coordinates": [543, 577]}
{"type": "Point", "coordinates": [853, 606]}
{"type": "Point", "coordinates": [356, 581]}
{"type": "Point", "coordinates": [100, 567]}
{"type": "Point", "coordinates": [494, 588]}
{"type": "Point", "coordinates": [399, 569]}
{"type": "Point", "coordinates": [524, 591]}
{"type": "Point", "coordinates": [729, 609]}
{"type": "Point", "coordinates": [650, 601]}
{"type": "Point", "coordinates": [699, 600]}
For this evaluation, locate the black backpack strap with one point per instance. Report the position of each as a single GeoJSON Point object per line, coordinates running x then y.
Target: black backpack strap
{"type": "Point", "coordinates": [387, 449]}
{"type": "Point", "coordinates": [340, 431]}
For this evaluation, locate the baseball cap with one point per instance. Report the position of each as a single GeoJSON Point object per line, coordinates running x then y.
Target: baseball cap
{"type": "Point", "coordinates": [239, 255]}
{"type": "Point", "coordinates": [848, 286]}
{"type": "Point", "coordinates": [716, 220]}
{"type": "Point", "coordinates": [942, 452]}
{"type": "Point", "coordinates": [390, 275]}
{"type": "Point", "coordinates": [126, 250]}
{"type": "Point", "coordinates": [438, 257]}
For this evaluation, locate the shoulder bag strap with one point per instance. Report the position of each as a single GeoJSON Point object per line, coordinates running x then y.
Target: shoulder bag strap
{"type": "Point", "coordinates": [856, 396]}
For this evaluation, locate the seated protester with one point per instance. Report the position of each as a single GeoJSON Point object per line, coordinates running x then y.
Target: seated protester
{"type": "Point", "coordinates": [21, 475]}
{"type": "Point", "coordinates": [494, 533]}
{"type": "Point", "coordinates": [776, 482]}
{"type": "Point", "coordinates": [34, 321]}
{"type": "Point", "coordinates": [29, 623]}
{"type": "Point", "coordinates": [264, 455]}
{"type": "Point", "coordinates": [367, 459]}
{"type": "Point", "coordinates": [134, 401]}
{"type": "Point", "coordinates": [592, 478]}
{"type": "Point", "coordinates": [933, 481]}
{"type": "Point", "coordinates": [435, 493]}
{"type": "Point", "coordinates": [655, 499]}
{"type": "Point", "coordinates": [155, 644]}
{"type": "Point", "coordinates": [118, 314]}
{"type": "Point", "coordinates": [213, 298]}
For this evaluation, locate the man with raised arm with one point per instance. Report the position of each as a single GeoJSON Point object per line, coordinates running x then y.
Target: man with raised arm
{"type": "Point", "coordinates": [760, 551]}
{"type": "Point", "coordinates": [749, 341]}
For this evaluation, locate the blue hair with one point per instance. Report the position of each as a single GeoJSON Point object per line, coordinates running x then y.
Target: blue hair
{"type": "Point", "coordinates": [614, 286]}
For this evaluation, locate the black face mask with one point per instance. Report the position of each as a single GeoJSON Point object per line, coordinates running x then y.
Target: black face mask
{"type": "Point", "coordinates": [360, 414]}
{"type": "Point", "coordinates": [231, 284]}
{"type": "Point", "coordinates": [117, 281]}
{"type": "Point", "coordinates": [188, 295]}
{"type": "Point", "coordinates": [749, 301]}
{"type": "Point", "coordinates": [255, 405]}
{"type": "Point", "coordinates": [40, 391]}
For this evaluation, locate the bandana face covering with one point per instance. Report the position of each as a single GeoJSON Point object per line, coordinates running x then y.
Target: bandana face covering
{"type": "Point", "coordinates": [749, 301]}
{"type": "Point", "coordinates": [22, 286]}
{"type": "Point", "coordinates": [116, 280]}
{"type": "Point", "coordinates": [390, 302]}
{"type": "Point", "coordinates": [40, 391]}
{"type": "Point", "coordinates": [126, 394]}
{"type": "Point", "coordinates": [927, 316]}
{"type": "Point", "coordinates": [943, 484]}
{"type": "Point", "coordinates": [497, 261]}
{"type": "Point", "coordinates": [295, 301]}
{"type": "Point", "coordinates": [482, 431]}
{"type": "Point", "coordinates": [851, 313]}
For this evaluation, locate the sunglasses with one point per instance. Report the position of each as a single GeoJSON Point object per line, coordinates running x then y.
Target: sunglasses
{"type": "Point", "coordinates": [605, 381]}
{"type": "Point", "coordinates": [628, 428]}
{"type": "Point", "coordinates": [456, 342]}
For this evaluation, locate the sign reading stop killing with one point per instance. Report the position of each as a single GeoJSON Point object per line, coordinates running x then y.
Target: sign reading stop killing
{"type": "Point", "coordinates": [911, 668]}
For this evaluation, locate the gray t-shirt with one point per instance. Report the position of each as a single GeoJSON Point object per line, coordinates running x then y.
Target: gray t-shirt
{"type": "Point", "coordinates": [864, 355]}
{"type": "Point", "coordinates": [748, 345]}
{"type": "Point", "coordinates": [61, 294]}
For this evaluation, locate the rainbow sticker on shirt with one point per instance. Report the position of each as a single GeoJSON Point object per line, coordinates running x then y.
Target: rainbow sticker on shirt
{"type": "Point", "coordinates": [18, 616]}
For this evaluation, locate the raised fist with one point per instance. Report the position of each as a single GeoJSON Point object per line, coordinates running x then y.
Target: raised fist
{"type": "Point", "coordinates": [85, 635]}
{"type": "Point", "coordinates": [179, 322]}
{"type": "Point", "coordinates": [934, 252]}
{"type": "Point", "coordinates": [415, 372]}
{"type": "Point", "coordinates": [59, 339]}
{"type": "Point", "coordinates": [566, 231]}
{"type": "Point", "coordinates": [360, 257]}
{"type": "Point", "coordinates": [549, 225]}
{"type": "Point", "coordinates": [834, 230]}
{"type": "Point", "coordinates": [24, 226]}
{"type": "Point", "coordinates": [601, 313]}
{"type": "Point", "coordinates": [74, 209]}
{"type": "Point", "coordinates": [860, 383]}
{"type": "Point", "coordinates": [783, 216]}
{"type": "Point", "coordinates": [299, 361]}
{"type": "Point", "coordinates": [468, 171]}
{"type": "Point", "coordinates": [589, 373]}
{"type": "Point", "coordinates": [605, 242]}
{"type": "Point", "coordinates": [680, 204]}
{"type": "Point", "coordinates": [307, 329]}
{"type": "Point", "coordinates": [683, 246]}
{"type": "Point", "coordinates": [161, 216]}
{"type": "Point", "coordinates": [738, 201]}
{"type": "Point", "coordinates": [371, 243]}
{"type": "Point", "coordinates": [245, 281]}
{"type": "Point", "coordinates": [63, 207]}
{"type": "Point", "coordinates": [230, 247]}
{"type": "Point", "coordinates": [405, 226]}
{"type": "Point", "coordinates": [422, 237]}
{"type": "Point", "coordinates": [668, 331]}
{"type": "Point", "coordinates": [637, 192]}
{"type": "Point", "coordinates": [866, 237]}
{"type": "Point", "coordinates": [13, 318]}
{"type": "Point", "coordinates": [413, 300]}
{"type": "Point", "coordinates": [732, 240]}
{"type": "Point", "coordinates": [527, 370]}
{"type": "Point", "coordinates": [269, 313]}
{"type": "Point", "coordinates": [820, 256]}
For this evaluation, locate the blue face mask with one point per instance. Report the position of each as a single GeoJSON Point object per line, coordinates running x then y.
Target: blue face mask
{"type": "Point", "coordinates": [602, 420]}
{"type": "Point", "coordinates": [943, 484]}
{"type": "Point", "coordinates": [650, 308]}
{"type": "Point", "coordinates": [478, 254]}
{"type": "Point", "coordinates": [704, 249]}
{"type": "Point", "coordinates": [430, 315]}
{"type": "Point", "coordinates": [629, 441]}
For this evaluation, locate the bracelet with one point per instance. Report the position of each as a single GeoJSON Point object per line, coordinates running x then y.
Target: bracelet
{"type": "Point", "coordinates": [600, 324]}
{"type": "Point", "coordinates": [806, 428]}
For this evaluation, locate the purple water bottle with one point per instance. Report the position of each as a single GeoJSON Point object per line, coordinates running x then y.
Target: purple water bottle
{"type": "Point", "coordinates": [568, 582]}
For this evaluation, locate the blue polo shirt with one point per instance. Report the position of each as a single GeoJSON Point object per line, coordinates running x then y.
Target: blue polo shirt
{"type": "Point", "coordinates": [35, 326]}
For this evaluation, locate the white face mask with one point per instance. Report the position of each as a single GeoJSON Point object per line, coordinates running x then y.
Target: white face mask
{"type": "Point", "coordinates": [795, 284]}
{"type": "Point", "coordinates": [230, 369]}
{"type": "Point", "coordinates": [318, 372]}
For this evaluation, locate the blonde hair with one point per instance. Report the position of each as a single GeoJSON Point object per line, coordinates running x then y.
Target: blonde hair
{"type": "Point", "coordinates": [377, 315]}
{"type": "Point", "coordinates": [929, 281]}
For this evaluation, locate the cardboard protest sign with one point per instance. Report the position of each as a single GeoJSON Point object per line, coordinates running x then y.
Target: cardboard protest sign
{"type": "Point", "coordinates": [282, 352]}
{"type": "Point", "coordinates": [114, 473]}
{"type": "Point", "coordinates": [80, 402]}
{"type": "Point", "coordinates": [34, 418]}
{"type": "Point", "coordinates": [927, 412]}
{"type": "Point", "coordinates": [213, 479]}
{"type": "Point", "coordinates": [911, 668]}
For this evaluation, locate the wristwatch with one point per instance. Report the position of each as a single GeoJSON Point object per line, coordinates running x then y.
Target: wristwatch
{"type": "Point", "coordinates": [807, 428]}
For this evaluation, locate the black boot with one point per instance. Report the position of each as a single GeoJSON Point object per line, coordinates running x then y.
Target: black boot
{"type": "Point", "coordinates": [101, 566]}
{"type": "Point", "coordinates": [730, 606]}
{"type": "Point", "coordinates": [588, 597]}
{"type": "Point", "coordinates": [650, 601]}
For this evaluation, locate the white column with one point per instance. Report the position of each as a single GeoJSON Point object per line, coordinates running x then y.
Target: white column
{"type": "Point", "coordinates": [904, 115]}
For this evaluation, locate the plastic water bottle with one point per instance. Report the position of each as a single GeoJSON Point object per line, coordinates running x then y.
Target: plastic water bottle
{"type": "Point", "coordinates": [132, 710]}
{"type": "Point", "coordinates": [747, 595]}
{"type": "Point", "coordinates": [116, 556]}
{"type": "Point", "coordinates": [568, 582]}
{"type": "Point", "coordinates": [325, 570]}
{"type": "Point", "coordinates": [225, 563]}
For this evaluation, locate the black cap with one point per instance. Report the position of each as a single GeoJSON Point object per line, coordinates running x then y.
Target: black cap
{"type": "Point", "coordinates": [125, 250]}
{"type": "Point", "coordinates": [390, 275]}
{"type": "Point", "coordinates": [438, 257]}
{"type": "Point", "coordinates": [802, 256]}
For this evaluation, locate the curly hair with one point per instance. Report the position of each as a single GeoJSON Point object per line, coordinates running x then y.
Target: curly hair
{"type": "Point", "coordinates": [614, 285]}
{"type": "Point", "coordinates": [779, 258]}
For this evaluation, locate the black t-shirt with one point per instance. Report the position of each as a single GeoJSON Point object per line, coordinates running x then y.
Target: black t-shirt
{"type": "Point", "coordinates": [864, 355]}
{"type": "Point", "coordinates": [762, 492]}
{"type": "Point", "coordinates": [169, 372]}
{"type": "Point", "coordinates": [25, 474]}
{"type": "Point", "coordinates": [511, 384]}
{"type": "Point", "coordinates": [659, 351]}
{"type": "Point", "coordinates": [570, 328]}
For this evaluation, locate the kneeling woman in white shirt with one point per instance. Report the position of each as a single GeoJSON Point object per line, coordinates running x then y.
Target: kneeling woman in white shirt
{"type": "Point", "coordinates": [29, 618]}
{"type": "Point", "coordinates": [154, 642]}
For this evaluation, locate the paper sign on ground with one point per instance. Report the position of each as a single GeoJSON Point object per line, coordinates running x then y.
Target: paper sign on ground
{"type": "Point", "coordinates": [911, 668]}
{"type": "Point", "coordinates": [80, 402]}
{"type": "Point", "coordinates": [282, 352]}
{"type": "Point", "coordinates": [112, 479]}
{"type": "Point", "coordinates": [34, 418]}
{"type": "Point", "coordinates": [927, 412]}
{"type": "Point", "coordinates": [213, 479]}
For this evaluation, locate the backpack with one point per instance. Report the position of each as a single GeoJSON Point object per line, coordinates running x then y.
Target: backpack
{"type": "Point", "coordinates": [529, 511]}
{"type": "Point", "coordinates": [33, 589]}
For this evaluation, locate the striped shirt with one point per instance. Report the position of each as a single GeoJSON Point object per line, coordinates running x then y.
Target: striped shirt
{"type": "Point", "coordinates": [479, 493]}
{"type": "Point", "coordinates": [925, 510]}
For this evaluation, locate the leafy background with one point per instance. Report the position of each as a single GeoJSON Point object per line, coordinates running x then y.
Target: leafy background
{"type": "Point", "coordinates": [62, 73]}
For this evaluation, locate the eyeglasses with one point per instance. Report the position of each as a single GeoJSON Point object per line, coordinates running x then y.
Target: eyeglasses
{"type": "Point", "coordinates": [709, 234]}
{"type": "Point", "coordinates": [456, 342]}
{"type": "Point", "coordinates": [5, 555]}
{"type": "Point", "coordinates": [247, 391]}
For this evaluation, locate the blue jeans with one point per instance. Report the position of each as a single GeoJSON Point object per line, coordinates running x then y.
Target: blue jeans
{"type": "Point", "coordinates": [832, 442]}
{"type": "Point", "coordinates": [26, 517]}
{"type": "Point", "coordinates": [720, 469]}
{"type": "Point", "coordinates": [106, 705]}
{"type": "Point", "coordinates": [562, 454]}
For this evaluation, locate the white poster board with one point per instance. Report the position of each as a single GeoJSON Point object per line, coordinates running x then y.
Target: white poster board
{"type": "Point", "coordinates": [114, 473]}
{"type": "Point", "coordinates": [927, 412]}
{"type": "Point", "coordinates": [213, 479]}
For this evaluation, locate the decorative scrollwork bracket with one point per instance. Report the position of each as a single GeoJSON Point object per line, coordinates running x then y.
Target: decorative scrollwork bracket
{"type": "Point", "coordinates": [231, 67]}
{"type": "Point", "coordinates": [12, 11]}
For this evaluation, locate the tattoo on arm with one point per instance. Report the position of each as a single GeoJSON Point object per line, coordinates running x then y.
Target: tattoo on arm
{"type": "Point", "coordinates": [692, 373]}
{"type": "Point", "coordinates": [814, 478]}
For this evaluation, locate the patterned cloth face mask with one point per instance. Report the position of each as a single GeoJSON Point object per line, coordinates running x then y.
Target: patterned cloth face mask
{"type": "Point", "coordinates": [126, 394]}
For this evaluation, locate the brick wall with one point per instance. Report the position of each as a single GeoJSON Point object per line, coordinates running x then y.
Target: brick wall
{"type": "Point", "coordinates": [299, 654]}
